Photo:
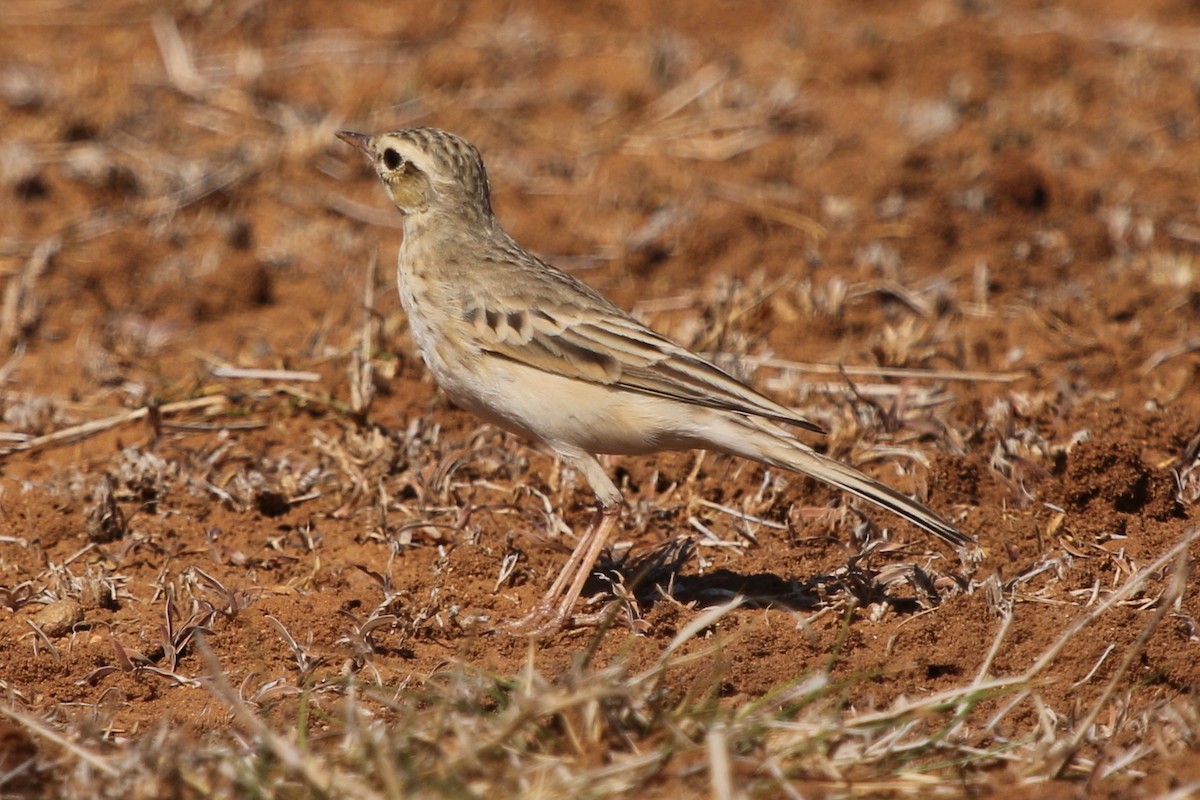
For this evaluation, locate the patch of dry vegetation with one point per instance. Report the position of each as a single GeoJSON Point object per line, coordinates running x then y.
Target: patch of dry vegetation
{"type": "Point", "coordinates": [606, 731]}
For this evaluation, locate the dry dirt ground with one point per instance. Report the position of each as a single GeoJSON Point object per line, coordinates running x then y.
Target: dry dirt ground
{"type": "Point", "coordinates": [289, 583]}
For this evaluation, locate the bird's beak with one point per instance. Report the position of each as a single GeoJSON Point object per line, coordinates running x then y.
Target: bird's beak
{"type": "Point", "coordinates": [359, 140]}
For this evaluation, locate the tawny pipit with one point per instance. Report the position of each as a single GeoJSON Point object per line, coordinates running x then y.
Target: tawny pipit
{"type": "Point", "coordinates": [537, 352]}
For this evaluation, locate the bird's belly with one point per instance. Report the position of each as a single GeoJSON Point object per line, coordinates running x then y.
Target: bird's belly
{"type": "Point", "coordinates": [570, 414]}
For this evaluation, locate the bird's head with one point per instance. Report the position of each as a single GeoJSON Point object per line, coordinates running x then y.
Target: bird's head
{"type": "Point", "coordinates": [426, 169]}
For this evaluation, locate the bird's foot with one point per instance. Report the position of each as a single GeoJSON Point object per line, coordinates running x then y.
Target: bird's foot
{"type": "Point", "coordinates": [544, 620]}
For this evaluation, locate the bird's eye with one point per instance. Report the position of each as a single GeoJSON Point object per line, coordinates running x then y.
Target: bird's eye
{"type": "Point", "coordinates": [391, 159]}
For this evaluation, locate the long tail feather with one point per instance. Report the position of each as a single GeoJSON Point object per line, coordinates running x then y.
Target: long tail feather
{"type": "Point", "coordinates": [855, 482]}
{"type": "Point", "coordinates": [768, 443]}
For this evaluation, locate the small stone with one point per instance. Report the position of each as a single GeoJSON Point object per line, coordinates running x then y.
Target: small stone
{"type": "Point", "coordinates": [59, 617]}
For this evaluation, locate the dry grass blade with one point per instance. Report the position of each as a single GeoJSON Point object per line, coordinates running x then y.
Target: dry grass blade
{"type": "Point", "coordinates": [362, 371]}
{"type": "Point", "coordinates": [704, 620]}
{"type": "Point", "coordinates": [10, 366]}
{"type": "Point", "coordinates": [320, 776]}
{"type": "Point", "coordinates": [1166, 354]}
{"type": "Point", "coordinates": [362, 212]}
{"type": "Point", "coordinates": [84, 430]}
{"type": "Point", "coordinates": [181, 71]}
{"type": "Point", "coordinates": [719, 769]}
{"type": "Point", "coordinates": [530, 706]}
{"type": "Point", "coordinates": [1060, 756]}
{"type": "Point", "coordinates": [1183, 792]}
{"type": "Point", "coordinates": [742, 516]}
{"type": "Point", "coordinates": [19, 309]}
{"type": "Point", "coordinates": [717, 135]}
{"type": "Point", "coordinates": [689, 90]}
{"type": "Point", "coordinates": [245, 374]}
{"type": "Point", "coordinates": [776, 213]}
{"type": "Point", "coordinates": [304, 661]}
{"type": "Point", "coordinates": [44, 731]}
{"type": "Point", "coordinates": [1124, 592]}
{"type": "Point", "coordinates": [948, 700]}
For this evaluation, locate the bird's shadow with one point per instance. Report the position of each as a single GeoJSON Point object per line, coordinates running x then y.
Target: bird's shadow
{"type": "Point", "coordinates": [657, 575]}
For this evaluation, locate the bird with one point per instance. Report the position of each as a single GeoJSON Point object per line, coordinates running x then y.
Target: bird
{"type": "Point", "coordinates": [539, 353]}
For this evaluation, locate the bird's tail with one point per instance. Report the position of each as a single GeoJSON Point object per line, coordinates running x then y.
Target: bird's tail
{"type": "Point", "coordinates": [768, 444]}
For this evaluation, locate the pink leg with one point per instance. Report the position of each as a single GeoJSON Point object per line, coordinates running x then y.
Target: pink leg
{"type": "Point", "coordinates": [553, 611]}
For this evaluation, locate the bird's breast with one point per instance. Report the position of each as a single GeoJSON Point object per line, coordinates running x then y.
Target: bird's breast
{"type": "Point", "coordinates": [420, 308]}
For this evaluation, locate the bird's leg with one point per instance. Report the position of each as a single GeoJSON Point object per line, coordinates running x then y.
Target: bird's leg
{"type": "Point", "coordinates": [582, 560]}
{"type": "Point", "coordinates": [554, 609]}
{"type": "Point", "coordinates": [565, 575]}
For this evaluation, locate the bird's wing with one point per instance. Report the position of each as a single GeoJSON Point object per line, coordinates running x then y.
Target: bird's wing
{"type": "Point", "coordinates": [593, 340]}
